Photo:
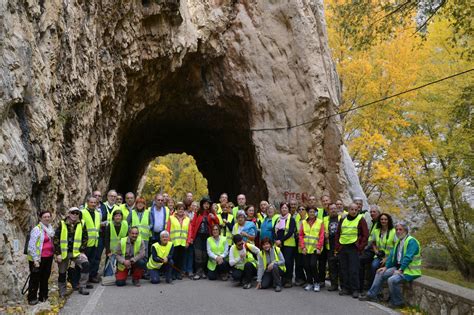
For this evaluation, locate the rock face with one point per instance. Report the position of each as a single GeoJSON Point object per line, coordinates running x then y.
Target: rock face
{"type": "Point", "coordinates": [91, 91]}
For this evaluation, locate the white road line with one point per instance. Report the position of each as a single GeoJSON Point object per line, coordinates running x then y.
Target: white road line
{"type": "Point", "coordinates": [90, 306]}
{"type": "Point", "coordinates": [386, 309]}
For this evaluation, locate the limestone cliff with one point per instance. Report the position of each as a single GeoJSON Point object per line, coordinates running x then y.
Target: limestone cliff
{"type": "Point", "coordinates": [91, 91]}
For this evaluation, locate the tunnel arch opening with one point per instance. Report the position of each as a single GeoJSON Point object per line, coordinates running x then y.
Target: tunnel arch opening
{"type": "Point", "coordinates": [189, 110]}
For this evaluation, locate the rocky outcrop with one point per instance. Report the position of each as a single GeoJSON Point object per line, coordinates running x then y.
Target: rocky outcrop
{"type": "Point", "coordinates": [91, 91]}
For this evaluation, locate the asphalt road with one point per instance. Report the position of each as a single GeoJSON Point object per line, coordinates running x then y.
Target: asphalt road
{"type": "Point", "coordinates": [213, 297]}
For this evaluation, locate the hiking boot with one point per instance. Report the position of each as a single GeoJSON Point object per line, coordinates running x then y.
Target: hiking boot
{"type": "Point", "coordinates": [278, 288]}
{"type": "Point", "coordinates": [367, 298]}
{"type": "Point", "coordinates": [308, 287]}
{"type": "Point", "coordinates": [344, 292]}
{"type": "Point", "coordinates": [94, 280]}
{"type": "Point", "coordinates": [299, 282]}
{"type": "Point", "coordinates": [224, 277]}
{"type": "Point", "coordinates": [317, 288]}
{"type": "Point", "coordinates": [83, 291]}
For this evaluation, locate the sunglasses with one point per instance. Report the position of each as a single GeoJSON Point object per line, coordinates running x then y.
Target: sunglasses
{"type": "Point", "coordinates": [160, 200]}
{"type": "Point", "coordinates": [75, 212]}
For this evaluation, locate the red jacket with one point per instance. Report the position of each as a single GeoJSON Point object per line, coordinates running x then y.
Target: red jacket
{"type": "Point", "coordinates": [196, 222]}
{"type": "Point", "coordinates": [362, 235]}
{"type": "Point", "coordinates": [320, 243]}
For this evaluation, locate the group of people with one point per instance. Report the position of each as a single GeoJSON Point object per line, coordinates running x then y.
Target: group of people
{"type": "Point", "coordinates": [292, 244]}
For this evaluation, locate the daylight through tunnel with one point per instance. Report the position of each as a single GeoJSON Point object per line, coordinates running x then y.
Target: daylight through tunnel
{"type": "Point", "coordinates": [181, 116]}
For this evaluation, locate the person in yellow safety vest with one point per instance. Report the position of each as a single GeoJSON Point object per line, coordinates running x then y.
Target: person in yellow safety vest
{"type": "Point", "coordinates": [40, 258]}
{"type": "Point", "coordinates": [262, 212]}
{"type": "Point", "coordinates": [241, 204]}
{"type": "Point", "coordinates": [161, 259]}
{"type": "Point", "coordinates": [271, 266]}
{"type": "Point", "coordinates": [70, 244]}
{"type": "Point", "coordinates": [285, 230]}
{"type": "Point", "coordinates": [223, 200]}
{"type": "Point", "coordinates": [383, 239]}
{"type": "Point", "coordinates": [243, 262]}
{"type": "Point", "coordinates": [127, 206]}
{"type": "Point", "coordinates": [322, 212]}
{"type": "Point", "coordinates": [300, 276]}
{"type": "Point", "coordinates": [91, 219]}
{"type": "Point", "coordinates": [178, 227]}
{"type": "Point", "coordinates": [130, 255]}
{"type": "Point", "coordinates": [141, 218]}
{"type": "Point", "coordinates": [311, 242]}
{"type": "Point", "coordinates": [217, 252]}
{"type": "Point", "coordinates": [331, 223]}
{"type": "Point", "coordinates": [160, 215]}
{"type": "Point", "coordinates": [113, 234]}
{"type": "Point", "coordinates": [351, 238]}
{"type": "Point", "coordinates": [226, 222]}
{"type": "Point", "coordinates": [402, 265]}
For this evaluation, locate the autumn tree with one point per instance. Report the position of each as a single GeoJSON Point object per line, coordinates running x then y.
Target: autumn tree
{"type": "Point", "coordinates": [414, 150]}
{"type": "Point", "coordinates": [175, 174]}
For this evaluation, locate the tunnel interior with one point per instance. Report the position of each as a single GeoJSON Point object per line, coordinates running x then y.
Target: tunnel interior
{"type": "Point", "coordinates": [178, 117]}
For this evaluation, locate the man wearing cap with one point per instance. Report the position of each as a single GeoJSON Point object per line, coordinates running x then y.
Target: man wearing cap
{"type": "Point", "coordinates": [70, 243]}
{"type": "Point", "coordinates": [403, 264]}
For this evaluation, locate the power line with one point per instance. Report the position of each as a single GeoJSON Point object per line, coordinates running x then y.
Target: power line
{"type": "Point", "coordinates": [365, 105]}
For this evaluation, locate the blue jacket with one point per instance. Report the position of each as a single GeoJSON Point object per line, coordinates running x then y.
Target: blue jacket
{"type": "Point", "coordinates": [412, 250]}
{"type": "Point", "coordinates": [156, 236]}
{"type": "Point", "coordinates": [266, 229]}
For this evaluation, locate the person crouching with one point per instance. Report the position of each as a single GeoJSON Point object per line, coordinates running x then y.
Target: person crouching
{"type": "Point", "coordinates": [161, 259]}
{"type": "Point", "coordinates": [271, 266]}
{"type": "Point", "coordinates": [130, 255]}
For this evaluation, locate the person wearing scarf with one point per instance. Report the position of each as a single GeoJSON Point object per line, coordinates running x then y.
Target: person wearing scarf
{"type": "Point", "coordinates": [40, 256]}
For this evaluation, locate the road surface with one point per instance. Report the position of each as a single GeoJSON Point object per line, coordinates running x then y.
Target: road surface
{"type": "Point", "coordinates": [213, 297]}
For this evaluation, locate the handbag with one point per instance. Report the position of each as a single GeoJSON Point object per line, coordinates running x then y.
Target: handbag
{"type": "Point", "coordinates": [109, 280]}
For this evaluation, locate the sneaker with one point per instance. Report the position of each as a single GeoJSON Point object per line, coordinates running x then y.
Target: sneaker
{"type": "Point", "coordinates": [33, 302]}
{"type": "Point", "coordinates": [247, 285]}
{"type": "Point", "coordinates": [191, 276]}
{"type": "Point", "coordinates": [355, 294]}
{"type": "Point", "coordinates": [278, 288]}
{"type": "Point", "coordinates": [316, 288]}
{"type": "Point", "coordinates": [204, 276]}
{"type": "Point", "coordinates": [83, 291]}
{"type": "Point", "coordinates": [308, 287]}
{"type": "Point", "coordinates": [196, 277]}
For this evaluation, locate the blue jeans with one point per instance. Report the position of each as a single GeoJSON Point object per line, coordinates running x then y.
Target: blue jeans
{"type": "Point", "coordinates": [108, 270]}
{"type": "Point", "coordinates": [189, 259]}
{"type": "Point", "coordinates": [394, 285]}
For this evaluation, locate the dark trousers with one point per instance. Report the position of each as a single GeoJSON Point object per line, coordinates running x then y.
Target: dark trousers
{"type": "Point", "coordinates": [244, 276]}
{"type": "Point", "coordinates": [98, 256]}
{"type": "Point", "coordinates": [94, 259]}
{"type": "Point", "coordinates": [333, 263]}
{"type": "Point", "coordinates": [322, 262]}
{"type": "Point", "coordinates": [200, 252]}
{"type": "Point", "coordinates": [178, 258]}
{"type": "Point", "coordinates": [272, 278]}
{"type": "Point", "coordinates": [365, 263]}
{"type": "Point", "coordinates": [349, 260]}
{"type": "Point", "coordinates": [155, 273]}
{"type": "Point", "coordinates": [311, 268]}
{"type": "Point", "coordinates": [39, 279]}
{"type": "Point", "coordinates": [289, 254]}
{"type": "Point", "coordinates": [299, 267]}
{"type": "Point", "coordinates": [220, 269]}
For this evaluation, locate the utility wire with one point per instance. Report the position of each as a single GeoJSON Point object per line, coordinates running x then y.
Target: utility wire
{"type": "Point", "coordinates": [367, 104]}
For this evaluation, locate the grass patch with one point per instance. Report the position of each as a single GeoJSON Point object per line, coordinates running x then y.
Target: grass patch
{"type": "Point", "coordinates": [451, 276]}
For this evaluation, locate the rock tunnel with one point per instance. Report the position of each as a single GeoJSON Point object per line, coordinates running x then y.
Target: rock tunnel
{"type": "Point", "coordinates": [182, 119]}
